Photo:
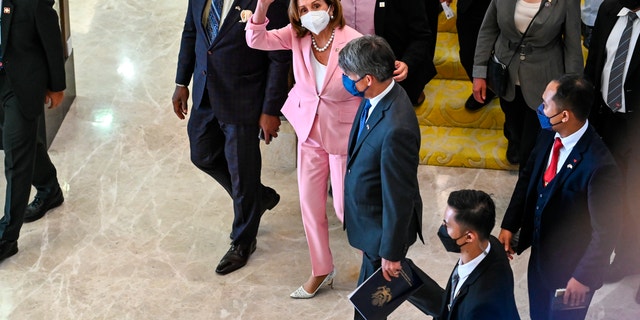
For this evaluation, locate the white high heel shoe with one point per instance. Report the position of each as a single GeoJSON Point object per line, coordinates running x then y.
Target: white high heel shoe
{"type": "Point", "coordinates": [300, 293]}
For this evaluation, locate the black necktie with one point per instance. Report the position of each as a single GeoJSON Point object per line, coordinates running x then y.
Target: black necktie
{"type": "Point", "coordinates": [454, 283]}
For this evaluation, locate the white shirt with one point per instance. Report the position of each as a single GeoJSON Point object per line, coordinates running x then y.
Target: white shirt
{"type": "Point", "coordinates": [319, 71]}
{"type": "Point", "coordinates": [612, 47]}
{"type": "Point", "coordinates": [374, 101]}
{"type": "Point", "coordinates": [524, 13]}
{"type": "Point", "coordinates": [568, 143]}
{"type": "Point", "coordinates": [464, 270]}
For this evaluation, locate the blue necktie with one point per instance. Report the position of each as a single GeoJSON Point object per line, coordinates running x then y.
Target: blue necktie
{"type": "Point", "coordinates": [363, 116]}
{"type": "Point", "coordinates": [214, 19]}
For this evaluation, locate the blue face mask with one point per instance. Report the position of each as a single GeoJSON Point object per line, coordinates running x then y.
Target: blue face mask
{"type": "Point", "coordinates": [545, 122]}
{"type": "Point", "coordinates": [350, 86]}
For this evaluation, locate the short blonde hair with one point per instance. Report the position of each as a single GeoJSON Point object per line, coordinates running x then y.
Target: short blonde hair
{"type": "Point", "coordinates": [336, 22]}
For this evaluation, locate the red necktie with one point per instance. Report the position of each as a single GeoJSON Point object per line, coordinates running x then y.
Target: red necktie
{"type": "Point", "coordinates": [553, 165]}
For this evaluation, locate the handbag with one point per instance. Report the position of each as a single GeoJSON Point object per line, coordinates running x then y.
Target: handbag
{"type": "Point", "coordinates": [497, 75]}
{"type": "Point", "coordinates": [498, 72]}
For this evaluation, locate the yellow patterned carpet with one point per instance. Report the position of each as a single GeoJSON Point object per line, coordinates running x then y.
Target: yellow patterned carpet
{"type": "Point", "coordinates": [452, 136]}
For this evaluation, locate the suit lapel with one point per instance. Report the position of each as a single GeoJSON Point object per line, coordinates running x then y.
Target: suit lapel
{"type": "Point", "coordinates": [540, 163]}
{"type": "Point", "coordinates": [7, 14]}
{"type": "Point", "coordinates": [332, 63]}
{"type": "Point", "coordinates": [376, 116]}
{"type": "Point", "coordinates": [233, 17]}
{"type": "Point", "coordinates": [573, 161]}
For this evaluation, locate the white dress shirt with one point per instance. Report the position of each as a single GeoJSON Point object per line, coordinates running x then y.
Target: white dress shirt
{"type": "Point", "coordinates": [568, 143]}
{"type": "Point", "coordinates": [464, 270]}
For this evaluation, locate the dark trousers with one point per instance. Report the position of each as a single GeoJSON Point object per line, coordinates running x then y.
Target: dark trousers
{"type": "Point", "coordinates": [468, 25]}
{"type": "Point", "coordinates": [26, 161]}
{"type": "Point", "coordinates": [230, 153]}
{"type": "Point", "coordinates": [541, 297]}
{"type": "Point", "coordinates": [621, 135]}
{"type": "Point", "coordinates": [521, 125]}
{"type": "Point", "coordinates": [370, 263]}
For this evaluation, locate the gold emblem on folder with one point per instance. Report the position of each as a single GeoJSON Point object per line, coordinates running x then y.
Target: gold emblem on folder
{"type": "Point", "coordinates": [381, 297]}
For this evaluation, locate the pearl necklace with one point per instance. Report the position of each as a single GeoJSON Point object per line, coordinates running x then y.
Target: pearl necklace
{"type": "Point", "coordinates": [326, 46]}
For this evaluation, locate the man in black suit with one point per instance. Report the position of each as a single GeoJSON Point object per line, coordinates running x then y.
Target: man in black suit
{"type": "Point", "coordinates": [405, 26]}
{"type": "Point", "coordinates": [383, 208]}
{"type": "Point", "coordinates": [618, 125]}
{"type": "Point", "coordinates": [237, 91]}
{"type": "Point", "coordinates": [31, 75]}
{"type": "Point", "coordinates": [470, 14]}
{"type": "Point", "coordinates": [565, 203]}
{"type": "Point", "coordinates": [481, 284]}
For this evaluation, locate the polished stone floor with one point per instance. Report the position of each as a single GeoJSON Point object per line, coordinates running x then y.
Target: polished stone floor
{"type": "Point", "coordinates": [142, 229]}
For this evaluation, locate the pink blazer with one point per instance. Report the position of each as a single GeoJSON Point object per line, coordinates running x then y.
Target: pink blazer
{"type": "Point", "coordinates": [335, 107]}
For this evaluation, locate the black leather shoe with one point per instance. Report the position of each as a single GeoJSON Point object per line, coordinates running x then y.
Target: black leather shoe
{"type": "Point", "coordinates": [512, 153]}
{"type": "Point", "coordinates": [270, 199]}
{"type": "Point", "coordinates": [36, 209]}
{"type": "Point", "coordinates": [472, 105]}
{"type": "Point", "coordinates": [236, 257]}
{"type": "Point", "coordinates": [8, 248]}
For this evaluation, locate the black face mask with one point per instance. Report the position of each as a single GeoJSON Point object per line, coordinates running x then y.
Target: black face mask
{"type": "Point", "coordinates": [450, 244]}
{"type": "Point", "coordinates": [630, 4]}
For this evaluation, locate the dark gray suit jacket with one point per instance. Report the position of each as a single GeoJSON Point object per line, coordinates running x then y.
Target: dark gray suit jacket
{"type": "Point", "coordinates": [383, 208]}
{"type": "Point", "coordinates": [552, 46]}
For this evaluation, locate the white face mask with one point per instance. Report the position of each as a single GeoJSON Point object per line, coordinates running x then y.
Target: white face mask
{"type": "Point", "coordinates": [315, 21]}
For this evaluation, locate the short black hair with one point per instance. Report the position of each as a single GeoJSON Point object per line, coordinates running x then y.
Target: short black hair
{"type": "Point", "coordinates": [575, 93]}
{"type": "Point", "coordinates": [475, 210]}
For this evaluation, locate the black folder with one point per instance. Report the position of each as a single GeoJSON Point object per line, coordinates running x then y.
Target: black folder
{"type": "Point", "coordinates": [376, 297]}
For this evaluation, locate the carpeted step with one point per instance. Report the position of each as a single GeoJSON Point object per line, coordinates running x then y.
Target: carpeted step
{"type": "Point", "coordinates": [464, 147]}
{"type": "Point", "coordinates": [447, 58]}
{"type": "Point", "coordinates": [444, 106]}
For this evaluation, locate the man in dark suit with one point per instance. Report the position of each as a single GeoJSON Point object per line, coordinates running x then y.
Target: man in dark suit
{"type": "Point", "coordinates": [405, 26]}
{"type": "Point", "coordinates": [618, 125]}
{"type": "Point", "coordinates": [470, 14]}
{"type": "Point", "coordinates": [237, 91]}
{"type": "Point", "coordinates": [31, 75]}
{"type": "Point", "coordinates": [383, 208]}
{"type": "Point", "coordinates": [565, 203]}
{"type": "Point", "coordinates": [481, 284]}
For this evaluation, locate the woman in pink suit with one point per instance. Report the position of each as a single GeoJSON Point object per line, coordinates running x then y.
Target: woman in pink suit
{"type": "Point", "coordinates": [320, 110]}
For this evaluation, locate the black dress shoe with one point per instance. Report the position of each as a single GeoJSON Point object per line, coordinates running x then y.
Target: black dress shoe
{"type": "Point", "coordinates": [36, 209]}
{"type": "Point", "coordinates": [236, 257]}
{"type": "Point", "coordinates": [270, 199]}
{"type": "Point", "coordinates": [8, 248]}
{"type": "Point", "coordinates": [512, 153]}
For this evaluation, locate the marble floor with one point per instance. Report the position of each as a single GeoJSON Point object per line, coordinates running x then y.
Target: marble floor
{"type": "Point", "coordinates": [142, 229]}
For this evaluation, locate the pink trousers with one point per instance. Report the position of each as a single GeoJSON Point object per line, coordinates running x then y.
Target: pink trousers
{"type": "Point", "coordinates": [315, 166]}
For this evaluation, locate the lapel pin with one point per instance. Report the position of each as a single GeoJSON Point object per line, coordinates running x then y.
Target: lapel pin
{"type": "Point", "coordinates": [367, 127]}
{"type": "Point", "coordinates": [6, 10]}
{"type": "Point", "coordinates": [570, 166]}
{"type": "Point", "coordinates": [381, 5]}
{"type": "Point", "coordinates": [548, 3]}
{"type": "Point", "coordinates": [238, 8]}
